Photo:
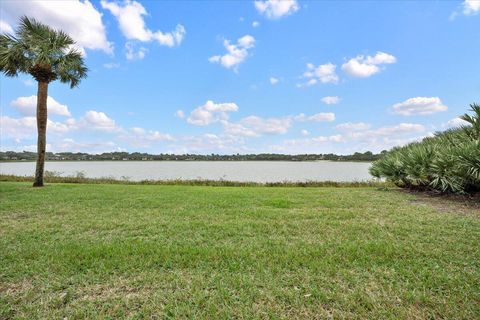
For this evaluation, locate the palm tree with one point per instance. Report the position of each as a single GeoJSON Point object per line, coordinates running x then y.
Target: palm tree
{"type": "Point", "coordinates": [474, 119]}
{"type": "Point", "coordinates": [47, 55]}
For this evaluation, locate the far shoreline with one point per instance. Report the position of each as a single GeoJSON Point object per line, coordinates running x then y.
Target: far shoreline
{"type": "Point", "coordinates": [179, 160]}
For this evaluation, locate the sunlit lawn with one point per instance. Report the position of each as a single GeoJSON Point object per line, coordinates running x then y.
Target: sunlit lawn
{"type": "Point", "coordinates": [119, 251]}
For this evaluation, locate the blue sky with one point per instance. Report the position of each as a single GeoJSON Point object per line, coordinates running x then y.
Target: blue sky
{"type": "Point", "coordinates": [250, 77]}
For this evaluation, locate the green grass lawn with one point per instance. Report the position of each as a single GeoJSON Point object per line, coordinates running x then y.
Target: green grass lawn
{"type": "Point", "coordinates": [133, 251]}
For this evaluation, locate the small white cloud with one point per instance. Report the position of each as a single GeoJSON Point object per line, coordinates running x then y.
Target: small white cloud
{"type": "Point", "coordinates": [180, 114]}
{"type": "Point", "coordinates": [402, 128]}
{"type": "Point", "coordinates": [267, 126]}
{"type": "Point", "coordinates": [324, 73]}
{"type": "Point", "coordinates": [111, 65]}
{"type": "Point", "coordinates": [419, 106]}
{"type": "Point", "coordinates": [5, 27]}
{"type": "Point", "coordinates": [349, 126]}
{"type": "Point", "coordinates": [254, 126]}
{"type": "Point", "coordinates": [70, 145]}
{"type": "Point", "coordinates": [330, 100]}
{"type": "Point", "coordinates": [311, 142]}
{"type": "Point", "coordinates": [131, 53]}
{"type": "Point", "coordinates": [255, 24]}
{"type": "Point", "coordinates": [97, 120]}
{"type": "Point", "coordinates": [363, 67]}
{"type": "Point", "coordinates": [275, 9]}
{"type": "Point", "coordinates": [454, 123]}
{"type": "Point", "coordinates": [236, 53]}
{"type": "Point", "coordinates": [304, 132]}
{"type": "Point", "coordinates": [131, 23]}
{"type": "Point", "coordinates": [274, 81]}
{"type": "Point", "coordinates": [471, 7]}
{"type": "Point", "coordinates": [211, 112]}
{"type": "Point", "coordinates": [27, 106]}
{"type": "Point", "coordinates": [318, 117]}
{"type": "Point", "coordinates": [139, 137]}
{"type": "Point", "coordinates": [209, 143]}
{"type": "Point", "coordinates": [322, 117]}
{"type": "Point", "coordinates": [237, 129]}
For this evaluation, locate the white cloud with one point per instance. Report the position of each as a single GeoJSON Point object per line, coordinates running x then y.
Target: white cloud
{"type": "Point", "coordinates": [363, 67]}
{"type": "Point", "coordinates": [139, 137]}
{"type": "Point", "coordinates": [267, 126]}
{"type": "Point", "coordinates": [5, 27]}
{"type": "Point", "coordinates": [26, 127]}
{"type": "Point", "coordinates": [17, 128]}
{"type": "Point", "coordinates": [180, 114]}
{"type": "Point", "coordinates": [21, 128]}
{"type": "Point", "coordinates": [111, 65]}
{"type": "Point", "coordinates": [237, 129]}
{"type": "Point", "coordinates": [357, 138]}
{"type": "Point", "coordinates": [274, 9]}
{"type": "Point", "coordinates": [211, 112]}
{"type": "Point", "coordinates": [273, 80]}
{"type": "Point", "coordinates": [209, 143]}
{"type": "Point", "coordinates": [236, 53]}
{"type": "Point", "coordinates": [97, 120]}
{"type": "Point", "coordinates": [322, 117]}
{"type": "Point", "coordinates": [360, 133]}
{"type": "Point", "coordinates": [318, 117]}
{"type": "Point", "coordinates": [402, 128]}
{"type": "Point", "coordinates": [311, 142]}
{"type": "Point", "coordinates": [324, 73]}
{"type": "Point", "coordinates": [71, 145]}
{"type": "Point", "coordinates": [454, 123]}
{"type": "Point", "coordinates": [255, 24]}
{"type": "Point", "coordinates": [471, 7]}
{"type": "Point", "coordinates": [349, 126]}
{"type": "Point", "coordinates": [304, 132]}
{"type": "Point", "coordinates": [27, 106]}
{"type": "Point", "coordinates": [419, 106]}
{"type": "Point", "coordinates": [79, 19]}
{"type": "Point", "coordinates": [330, 100]}
{"type": "Point", "coordinates": [131, 23]}
{"type": "Point", "coordinates": [131, 53]}
{"type": "Point", "coordinates": [255, 126]}
{"type": "Point", "coordinates": [158, 136]}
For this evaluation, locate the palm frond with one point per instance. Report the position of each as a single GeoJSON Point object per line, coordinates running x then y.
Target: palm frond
{"type": "Point", "coordinates": [70, 68]}
{"type": "Point", "coordinates": [43, 52]}
{"type": "Point", "coordinates": [447, 162]}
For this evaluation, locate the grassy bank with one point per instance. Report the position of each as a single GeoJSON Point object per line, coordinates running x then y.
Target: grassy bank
{"type": "Point", "coordinates": [142, 251]}
{"type": "Point", "coordinates": [55, 178]}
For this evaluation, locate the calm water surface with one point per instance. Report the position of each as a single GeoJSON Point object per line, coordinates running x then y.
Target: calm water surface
{"type": "Point", "coordinates": [252, 171]}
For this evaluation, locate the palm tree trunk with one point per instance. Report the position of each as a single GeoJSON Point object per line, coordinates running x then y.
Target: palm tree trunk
{"type": "Point", "coordinates": [42, 95]}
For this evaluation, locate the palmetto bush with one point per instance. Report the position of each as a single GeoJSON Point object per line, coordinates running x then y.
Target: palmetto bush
{"type": "Point", "coordinates": [448, 162]}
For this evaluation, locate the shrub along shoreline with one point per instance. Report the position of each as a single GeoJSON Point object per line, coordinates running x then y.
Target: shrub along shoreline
{"type": "Point", "coordinates": [448, 162]}
{"type": "Point", "coordinates": [198, 182]}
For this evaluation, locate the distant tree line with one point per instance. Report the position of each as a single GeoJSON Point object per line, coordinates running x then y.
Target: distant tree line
{"type": "Point", "coordinates": [137, 156]}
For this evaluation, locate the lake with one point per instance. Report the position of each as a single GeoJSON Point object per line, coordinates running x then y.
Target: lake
{"type": "Point", "coordinates": [245, 171]}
